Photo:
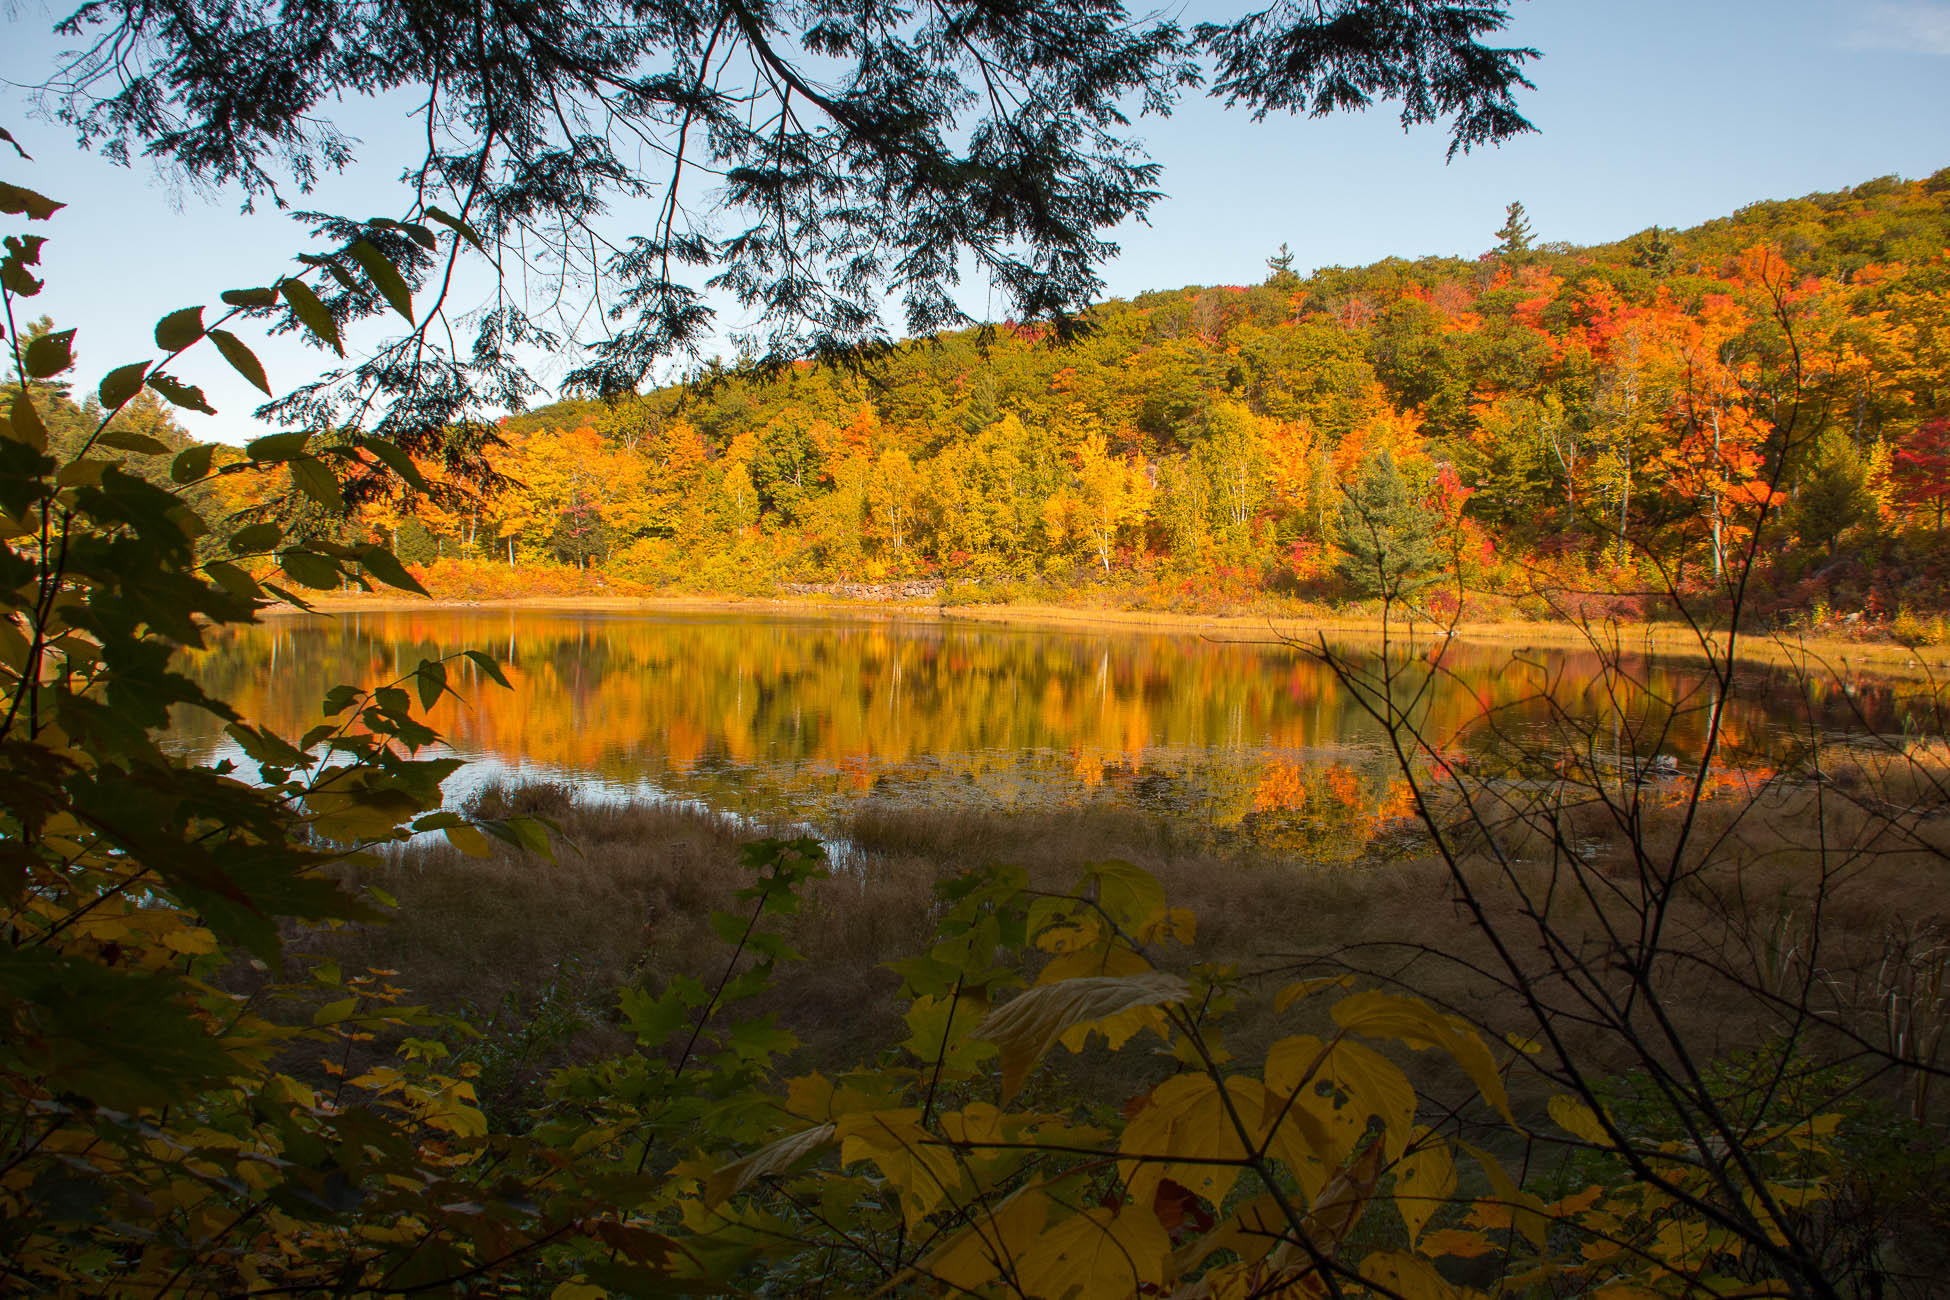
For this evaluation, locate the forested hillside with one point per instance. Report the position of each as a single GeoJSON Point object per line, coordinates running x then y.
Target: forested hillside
{"type": "Point", "coordinates": [1591, 420]}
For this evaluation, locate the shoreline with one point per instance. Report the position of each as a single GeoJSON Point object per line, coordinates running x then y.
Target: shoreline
{"type": "Point", "coordinates": [1824, 652]}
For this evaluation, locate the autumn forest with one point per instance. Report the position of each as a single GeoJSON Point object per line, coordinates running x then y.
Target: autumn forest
{"type": "Point", "coordinates": [1560, 424]}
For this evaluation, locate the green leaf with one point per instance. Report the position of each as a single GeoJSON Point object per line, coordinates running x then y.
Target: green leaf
{"type": "Point", "coordinates": [251, 297]}
{"type": "Point", "coordinates": [122, 383]}
{"type": "Point", "coordinates": [179, 329]}
{"type": "Point", "coordinates": [24, 422]}
{"type": "Point", "coordinates": [486, 664]}
{"type": "Point", "coordinates": [233, 580]}
{"type": "Point", "coordinates": [334, 1012]}
{"type": "Point", "coordinates": [340, 698]}
{"type": "Point", "coordinates": [291, 598]}
{"type": "Point", "coordinates": [458, 226]}
{"type": "Point", "coordinates": [23, 251]}
{"type": "Point", "coordinates": [276, 446]}
{"type": "Point", "coordinates": [255, 538]}
{"type": "Point", "coordinates": [192, 463]}
{"type": "Point", "coordinates": [386, 276]}
{"type": "Point", "coordinates": [49, 354]}
{"type": "Point", "coordinates": [311, 476]}
{"type": "Point", "coordinates": [396, 460]}
{"type": "Point", "coordinates": [187, 396]}
{"type": "Point", "coordinates": [118, 1037]}
{"type": "Point", "coordinates": [264, 746]}
{"type": "Point", "coordinates": [531, 833]}
{"type": "Point", "coordinates": [431, 679]}
{"type": "Point", "coordinates": [311, 313]}
{"type": "Point", "coordinates": [241, 359]}
{"type": "Point", "coordinates": [310, 569]}
{"type": "Point", "coordinates": [385, 566]}
{"type": "Point", "coordinates": [128, 440]}
{"type": "Point", "coordinates": [653, 1019]}
{"type": "Point", "coordinates": [37, 207]}
{"type": "Point", "coordinates": [331, 266]}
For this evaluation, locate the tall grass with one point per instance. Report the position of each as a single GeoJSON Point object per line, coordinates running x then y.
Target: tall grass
{"type": "Point", "coordinates": [511, 938]}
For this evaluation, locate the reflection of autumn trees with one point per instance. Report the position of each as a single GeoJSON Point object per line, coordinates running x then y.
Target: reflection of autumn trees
{"type": "Point", "coordinates": [801, 715]}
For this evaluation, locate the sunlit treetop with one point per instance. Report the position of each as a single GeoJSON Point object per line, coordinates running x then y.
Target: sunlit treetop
{"type": "Point", "coordinates": [810, 159]}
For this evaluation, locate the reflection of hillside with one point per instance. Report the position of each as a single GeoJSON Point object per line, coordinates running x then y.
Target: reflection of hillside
{"type": "Point", "coordinates": [770, 715]}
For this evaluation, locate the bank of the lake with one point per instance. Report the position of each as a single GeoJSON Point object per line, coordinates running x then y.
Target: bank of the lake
{"type": "Point", "coordinates": [1824, 654]}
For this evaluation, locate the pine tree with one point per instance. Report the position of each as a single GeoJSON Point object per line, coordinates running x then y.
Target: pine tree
{"type": "Point", "coordinates": [1281, 266]}
{"type": "Point", "coordinates": [1391, 539]}
{"type": "Point", "coordinates": [1653, 252]}
{"type": "Point", "coordinates": [1515, 236]}
{"type": "Point", "coordinates": [1834, 493]}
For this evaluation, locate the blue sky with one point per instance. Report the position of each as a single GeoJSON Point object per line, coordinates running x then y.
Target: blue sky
{"type": "Point", "coordinates": [1652, 111]}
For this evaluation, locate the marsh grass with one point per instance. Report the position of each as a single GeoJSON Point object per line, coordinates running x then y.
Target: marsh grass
{"type": "Point", "coordinates": [534, 951]}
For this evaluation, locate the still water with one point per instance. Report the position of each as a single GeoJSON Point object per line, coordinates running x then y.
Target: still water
{"type": "Point", "coordinates": [806, 719]}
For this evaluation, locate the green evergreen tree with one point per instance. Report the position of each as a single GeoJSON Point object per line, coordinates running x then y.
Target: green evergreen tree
{"type": "Point", "coordinates": [1391, 540]}
{"type": "Point", "coordinates": [1833, 496]}
{"type": "Point", "coordinates": [1515, 235]}
{"type": "Point", "coordinates": [1654, 252]}
{"type": "Point", "coordinates": [1280, 265]}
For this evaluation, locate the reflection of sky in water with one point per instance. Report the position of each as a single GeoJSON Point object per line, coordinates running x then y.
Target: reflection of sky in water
{"type": "Point", "coordinates": [790, 719]}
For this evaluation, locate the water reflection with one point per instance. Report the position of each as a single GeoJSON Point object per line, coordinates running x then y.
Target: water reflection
{"type": "Point", "coordinates": [800, 718]}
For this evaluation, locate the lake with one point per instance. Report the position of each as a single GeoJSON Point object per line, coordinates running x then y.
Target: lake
{"type": "Point", "coordinates": [806, 719]}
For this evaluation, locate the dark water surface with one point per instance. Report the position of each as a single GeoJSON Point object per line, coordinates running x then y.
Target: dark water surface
{"type": "Point", "coordinates": [803, 718]}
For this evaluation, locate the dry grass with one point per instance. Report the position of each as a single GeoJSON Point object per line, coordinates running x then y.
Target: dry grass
{"type": "Point", "coordinates": [630, 897]}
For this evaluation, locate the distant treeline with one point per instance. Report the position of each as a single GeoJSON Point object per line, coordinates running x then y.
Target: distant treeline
{"type": "Point", "coordinates": [1611, 417]}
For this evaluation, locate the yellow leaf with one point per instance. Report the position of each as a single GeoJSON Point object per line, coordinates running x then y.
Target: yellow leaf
{"type": "Point", "coordinates": [1414, 1022]}
{"type": "Point", "coordinates": [774, 1157]}
{"type": "Point", "coordinates": [1178, 923]}
{"type": "Point", "coordinates": [1406, 1276]}
{"type": "Point", "coordinates": [1076, 961]}
{"type": "Point", "coordinates": [922, 1170]}
{"type": "Point", "coordinates": [1454, 1241]}
{"type": "Point", "coordinates": [576, 1288]}
{"type": "Point", "coordinates": [1522, 1209]}
{"type": "Point", "coordinates": [810, 1097]}
{"type": "Point", "coordinates": [1119, 1029]}
{"type": "Point", "coordinates": [1027, 1025]}
{"type": "Point", "coordinates": [192, 941]}
{"type": "Point", "coordinates": [1292, 993]}
{"type": "Point", "coordinates": [816, 1098]}
{"type": "Point", "coordinates": [1186, 1117]}
{"type": "Point", "coordinates": [1577, 1119]}
{"type": "Point", "coordinates": [469, 840]}
{"type": "Point", "coordinates": [976, 1122]}
{"type": "Point", "coordinates": [454, 1109]}
{"type": "Point", "coordinates": [1425, 1179]}
{"type": "Point", "coordinates": [993, 1242]}
{"type": "Point", "coordinates": [1097, 1255]}
{"type": "Point", "coordinates": [1373, 1084]}
{"type": "Point", "coordinates": [1131, 896]}
{"type": "Point", "coordinates": [941, 1029]}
